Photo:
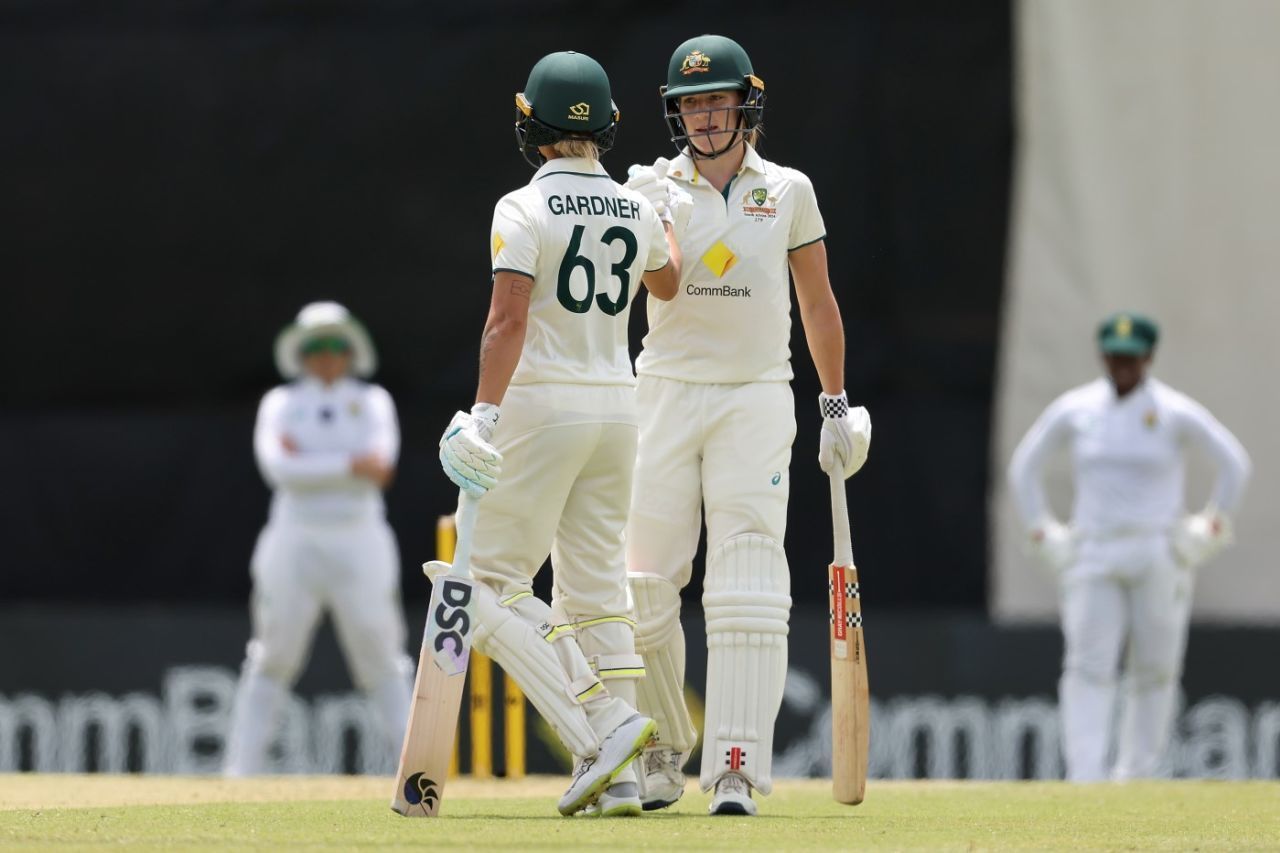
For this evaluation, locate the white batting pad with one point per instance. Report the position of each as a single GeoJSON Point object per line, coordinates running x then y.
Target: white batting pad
{"type": "Point", "coordinates": [521, 636]}
{"type": "Point", "coordinates": [660, 641]}
{"type": "Point", "coordinates": [747, 603]}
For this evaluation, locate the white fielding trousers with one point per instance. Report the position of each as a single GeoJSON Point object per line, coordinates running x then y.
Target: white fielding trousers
{"type": "Point", "coordinates": [1123, 597]}
{"type": "Point", "coordinates": [300, 570]}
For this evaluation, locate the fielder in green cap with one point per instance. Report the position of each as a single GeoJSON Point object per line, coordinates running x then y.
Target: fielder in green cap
{"type": "Point", "coordinates": [553, 474]}
{"type": "Point", "coordinates": [717, 421]}
{"type": "Point", "coordinates": [1124, 559]}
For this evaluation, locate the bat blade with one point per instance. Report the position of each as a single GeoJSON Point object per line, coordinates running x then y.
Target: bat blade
{"type": "Point", "coordinates": [442, 674]}
{"type": "Point", "coordinates": [437, 699]}
{"type": "Point", "coordinates": [850, 698]}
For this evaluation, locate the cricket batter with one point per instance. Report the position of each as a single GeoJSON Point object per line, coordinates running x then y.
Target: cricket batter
{"type": "Point", "coordinates": [569, 252]}
{"type": "Point", "coordinates": [717, 420]}
{"type": "Point", "coordinates": [327, 444]}
{"type": "Point", "coordinates": [1125, 560]}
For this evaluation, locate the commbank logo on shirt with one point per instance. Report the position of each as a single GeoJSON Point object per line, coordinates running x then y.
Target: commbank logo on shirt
{"type": "Point", "coordinates": [718, 290]}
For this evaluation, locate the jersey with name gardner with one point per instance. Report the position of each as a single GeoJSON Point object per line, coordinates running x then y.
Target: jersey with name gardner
{"type": "Point", "coordinates": [586, 242]}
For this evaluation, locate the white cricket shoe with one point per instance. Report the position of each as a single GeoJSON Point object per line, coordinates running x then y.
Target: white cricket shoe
{"type": "Point", "coordinates": [618, 749]}
{"type": "Point", "coordinates": [662, 779]}
{"type": "Point", "coordinates": [621, 799]}
{"type": "Point", "coordinates": [733, 796]}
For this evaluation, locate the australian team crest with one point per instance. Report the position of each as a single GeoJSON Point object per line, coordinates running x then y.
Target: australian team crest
{"type": "Point", "coordinates": [758, 204]}
{"type": "Point", "coordinates": [695, 63]}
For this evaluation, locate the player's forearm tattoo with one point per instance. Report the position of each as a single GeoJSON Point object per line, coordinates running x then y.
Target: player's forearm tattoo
{"type": "Point", "coordinates": [486, 344]}
{"type": "Point", "coordinates": [521, 287]}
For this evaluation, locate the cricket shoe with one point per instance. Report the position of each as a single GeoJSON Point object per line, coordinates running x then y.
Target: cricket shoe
{"type": "Point", "coordinates": [618, 749]}
{"type": "Point", "coordinates": [662, 780]}
{"type": "Point", "coordinates": [733, 796]}
{"type": "Point", "coordinates": [621, 799]}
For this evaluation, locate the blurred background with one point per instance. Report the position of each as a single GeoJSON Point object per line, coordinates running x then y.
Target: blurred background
{"type": "Point", "coordinates": [179, 178]}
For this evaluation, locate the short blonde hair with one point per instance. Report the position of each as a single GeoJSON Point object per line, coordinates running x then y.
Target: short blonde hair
{"type": "Point", "coordinates": [578, 146]}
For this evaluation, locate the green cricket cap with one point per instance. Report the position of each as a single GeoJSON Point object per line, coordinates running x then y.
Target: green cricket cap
{"type": "Point", "coordinates": [1128, 334]}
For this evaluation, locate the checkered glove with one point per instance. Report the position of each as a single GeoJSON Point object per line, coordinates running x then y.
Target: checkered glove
{"type": "Point", "coordinates": [466, 455]}
{"type": "Point", "coordinates": [1053, 544]}
{"type": "Point", "coordinates": [846, 435]}
{"type": "Point", "coordinates": [1198, 538]}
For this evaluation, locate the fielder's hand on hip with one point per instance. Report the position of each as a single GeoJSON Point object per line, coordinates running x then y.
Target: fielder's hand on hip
{"type": "Point", "coordinates": [652, 183]}
{"type": "Point", "coordinates": [1053, 544]}
{"type": "Point", "coordinates": [1199, 537]}
{"type": "Point", "coordinates": [466, 455]}
{"type": "Point", "coordinates": [846, 435]}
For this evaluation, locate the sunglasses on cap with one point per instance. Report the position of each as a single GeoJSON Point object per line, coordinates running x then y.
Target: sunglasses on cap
{"type": "Point", "coordinates": [333, 344]}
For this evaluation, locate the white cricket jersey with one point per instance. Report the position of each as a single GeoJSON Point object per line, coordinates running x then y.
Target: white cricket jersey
{"type": "Point", "coordinates": [1128, 457]}
{"type": "Point", "coordinates": [730, 321]}
{"type": "Point", "coordinates": [586, 242]}
{"type": "Point", "coordinates": [329, 425]}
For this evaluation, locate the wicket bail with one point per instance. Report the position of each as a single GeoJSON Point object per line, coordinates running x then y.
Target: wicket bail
{"type": "Point", "coordinates": [480, 684]}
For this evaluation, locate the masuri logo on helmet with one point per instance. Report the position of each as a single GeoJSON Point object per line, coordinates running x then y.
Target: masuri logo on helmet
{"type": "Point", "coordinates": [567, 96]}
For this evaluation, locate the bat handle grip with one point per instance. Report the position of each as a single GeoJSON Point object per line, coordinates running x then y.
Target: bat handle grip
{"type": "Point", "coordinates": [840, 522]}
{"type": "Point", "coordinates": [468, 507]}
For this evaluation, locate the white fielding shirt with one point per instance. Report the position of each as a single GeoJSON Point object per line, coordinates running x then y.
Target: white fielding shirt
{"type": "Point", "coordinates": [730, 321]}
{"type": "Point", "coordinates": [1128, 458]}
{"type": "Point", "coordinates": [329, 425]}
{"type": "Point", "coordinates": [586, 242]}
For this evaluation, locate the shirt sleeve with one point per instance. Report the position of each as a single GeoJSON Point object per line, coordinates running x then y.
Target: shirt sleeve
{"type": "Point", "coordinates": [282, 469]}
{"type": "Point", "coordinates": [513, 240]}
{"type": "Point", "coordinates": [385, 441]}
{"type": "Point", "coordinates": [659, 255]}
{"type": "Point", "coordinates": [1202, 430]}
{"type": "Point", "coordinates": [806, 220]}
{"type": "Point", "coordinates": [1026, 469]}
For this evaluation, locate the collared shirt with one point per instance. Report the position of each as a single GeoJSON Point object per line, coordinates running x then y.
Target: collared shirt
{"type": "Point", "coordinates": [731, 318]}
{"type": "Point", "coordinates": [326, 425]}
{"type": "Point", "coordinates": [1128, 457]}
{"type": "Point", "coordinates": [585, 241]}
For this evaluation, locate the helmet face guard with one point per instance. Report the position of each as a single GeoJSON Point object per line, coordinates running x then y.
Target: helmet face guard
{"type": "Point", "coordinates": [531, 132]}
{"type": "Point", "coordinates": [750, 111]}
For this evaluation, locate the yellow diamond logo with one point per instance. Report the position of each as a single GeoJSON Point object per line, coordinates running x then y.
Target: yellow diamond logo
{"type": "Point", "coordinates": [498, 243]}
{"type": "Point", "coordinates": [719, 259]}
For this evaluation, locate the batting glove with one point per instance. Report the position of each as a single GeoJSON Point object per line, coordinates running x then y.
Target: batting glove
{"type": "Point", "coordinates": [652, 183]}
{"type": "Point", "coordinates": [846, 435]}
{"type": "Point", "coordinates": [467, 457]}
{"type": "Point", "coordinates": [1198, 538]}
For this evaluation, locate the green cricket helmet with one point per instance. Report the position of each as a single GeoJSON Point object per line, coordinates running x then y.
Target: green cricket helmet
{"type": "Point", "coordinates": [567, 97]}
{"type": "Point", "coordinates": [711, 64]}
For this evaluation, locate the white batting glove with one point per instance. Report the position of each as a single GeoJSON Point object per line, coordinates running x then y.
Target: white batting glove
{"type": "Point", "coordinates": [846, 435]}
{"type": "Point", "coordinates": [1198, 538]}
{"type": "Point", "coordinates": [652, 183]}
{"type": "Point", "coordinates": [1053, 544]}
{"type": "Point", "coordinates": [466, 455]}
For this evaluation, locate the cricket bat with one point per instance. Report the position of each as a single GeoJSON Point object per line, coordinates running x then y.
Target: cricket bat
{"type": "Point", "coordinates": [850, 700]}
{"type": "Point", "coordinates": [442, 672]}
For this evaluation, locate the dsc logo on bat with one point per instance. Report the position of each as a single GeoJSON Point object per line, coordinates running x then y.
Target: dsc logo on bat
{"type": "Point", "coordinates": [451, 624]}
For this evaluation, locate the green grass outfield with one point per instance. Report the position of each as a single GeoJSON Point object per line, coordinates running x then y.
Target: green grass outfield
{"type": "Point", "coordinates": [133, 812]}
